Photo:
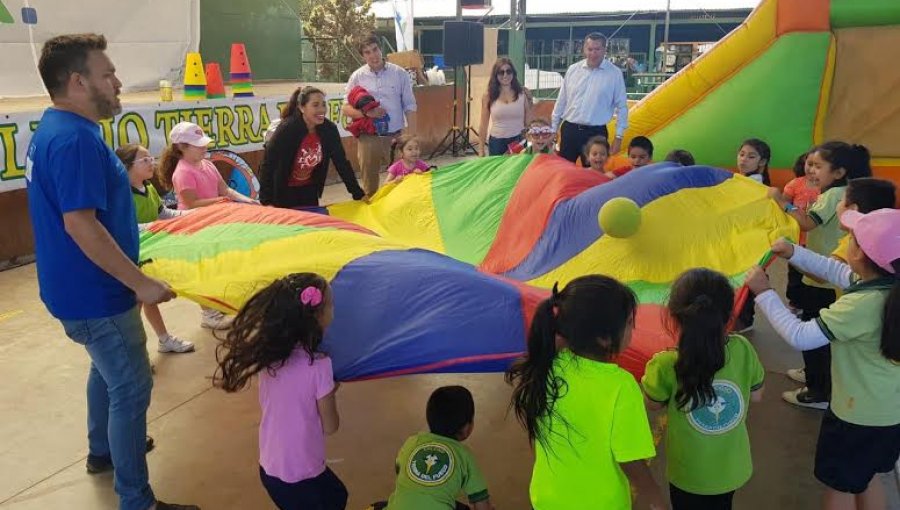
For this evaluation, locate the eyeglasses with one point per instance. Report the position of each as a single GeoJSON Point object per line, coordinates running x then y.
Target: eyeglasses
{"type": "Point", "coordinates": [147, 159]}
{"type": "Point", "coordinates": [505, 71]}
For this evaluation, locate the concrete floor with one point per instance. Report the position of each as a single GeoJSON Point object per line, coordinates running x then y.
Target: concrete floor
{"type": "Point", "coordinates": [206, 450]}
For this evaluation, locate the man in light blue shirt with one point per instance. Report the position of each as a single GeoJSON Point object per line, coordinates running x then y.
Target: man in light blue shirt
{"type": "Point", "coordinates": [391, 86]}
{"type": "Point", "coordinates": [592, 91]}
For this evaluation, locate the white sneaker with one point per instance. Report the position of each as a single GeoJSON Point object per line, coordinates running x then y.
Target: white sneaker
{"type": "Point", "coordinates": [215, 320]}
{"type": "Point", "coordinates": [745, 329]}
{"type": "Point", "coordinates": [797, 374]}
{"type": "Point", "coordinates": [801, 398]}
{"type": "Point", "coordinates": [174, 344]}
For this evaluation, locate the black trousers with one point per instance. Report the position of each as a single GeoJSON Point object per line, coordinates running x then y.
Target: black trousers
{"type": "Point", "coordinates": [324, 492]}
{"type": "Point", "coordinates": [811, 301]}
{"type": "Point", "coordinates": [381, 505]}
{"type": "Point", "coordinates": [682, 500]}
{"type": "Point", "coordinates": [573, 137]}
{"type": "Point", "coordinates": [748, 312]}
{"type": "Point", "coordinates": [795, 286]}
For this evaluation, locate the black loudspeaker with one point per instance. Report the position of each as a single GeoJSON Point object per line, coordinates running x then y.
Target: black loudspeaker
{"type": "Point", "coordinates": [463, 43]}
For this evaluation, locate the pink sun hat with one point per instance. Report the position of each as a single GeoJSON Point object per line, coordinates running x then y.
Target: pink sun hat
{"type": "Point", "coordinates": [878, 235]}
{"type": "Point", "coordinates": [189, 133]}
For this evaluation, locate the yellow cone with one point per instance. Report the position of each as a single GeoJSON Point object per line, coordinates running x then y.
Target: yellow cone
{"type": "Point", "coordinates": [194, 73]}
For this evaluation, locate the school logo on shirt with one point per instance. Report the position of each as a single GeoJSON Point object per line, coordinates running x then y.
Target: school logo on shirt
{"type": "Point", "coordinates": [430, 464]}
{"type": "Point", "coordinates": [722, 415]}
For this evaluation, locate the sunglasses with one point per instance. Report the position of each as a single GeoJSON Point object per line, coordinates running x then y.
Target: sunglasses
{"type": "Point", "coordinates": [505, 71]}
{"type": "Point", "coordinates": [540, 131]}
{"type": "Point", "coordinates": [148, 159]}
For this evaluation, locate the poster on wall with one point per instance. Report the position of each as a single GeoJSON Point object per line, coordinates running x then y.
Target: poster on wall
{"type": "Point", "coordinates": [235, 125]}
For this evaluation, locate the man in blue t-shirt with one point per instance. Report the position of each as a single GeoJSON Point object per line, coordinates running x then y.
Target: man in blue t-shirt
{"type": "Point", "coordinates": [86, 243]}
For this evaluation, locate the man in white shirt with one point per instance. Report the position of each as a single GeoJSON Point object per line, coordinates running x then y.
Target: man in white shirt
{"type": "Point", "coordinates": [391, 86]}
{"type": "Point", "coordinates": [592, 91]}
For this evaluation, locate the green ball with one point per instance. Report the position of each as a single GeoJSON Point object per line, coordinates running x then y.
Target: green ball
{"type": "Point", "coordinates": [620, 217]}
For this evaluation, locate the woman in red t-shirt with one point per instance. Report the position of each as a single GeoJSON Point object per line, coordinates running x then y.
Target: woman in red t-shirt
{"type": "Point", "coordinates": [296, 160]}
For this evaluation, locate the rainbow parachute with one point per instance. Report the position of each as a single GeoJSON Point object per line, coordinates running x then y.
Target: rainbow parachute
{"type": "Point", "coordinates": [442, 272]}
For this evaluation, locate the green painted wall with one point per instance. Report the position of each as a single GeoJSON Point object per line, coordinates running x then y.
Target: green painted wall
{"type": "Point", "coordinates": [270, 29]}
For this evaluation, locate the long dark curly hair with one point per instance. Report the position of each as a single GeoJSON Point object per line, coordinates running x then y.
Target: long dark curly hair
{"type": "Point", "coordinates": [699, 309]}
{"type": "Point", "coordinates": [268, 329]}
{"type": "Point", "coordinates": [494, 84]}
{"type": "Point", "coordinates": [591, 315]}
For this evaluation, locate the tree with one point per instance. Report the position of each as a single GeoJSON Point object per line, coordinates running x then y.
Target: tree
{"type": "Point", "coordinates": [334, 27]}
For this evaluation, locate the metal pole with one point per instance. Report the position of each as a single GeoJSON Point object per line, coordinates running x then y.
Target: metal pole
{"type": "Point", "coordinates": [665, 53]}
{"type": "Point", "coordinates": [516, 50]}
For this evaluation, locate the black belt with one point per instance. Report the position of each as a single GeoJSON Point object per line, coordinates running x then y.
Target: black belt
{"type": "Point", "coordinates": [585, 126]}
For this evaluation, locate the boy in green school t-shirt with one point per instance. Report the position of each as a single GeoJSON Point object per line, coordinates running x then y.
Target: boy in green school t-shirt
{"type": "Point", "coordinates": [434, 467]}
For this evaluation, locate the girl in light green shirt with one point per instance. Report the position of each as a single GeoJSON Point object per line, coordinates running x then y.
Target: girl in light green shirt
{"type": "Point", "coordinates": [832, 165]}
{"type": "Point", "coordinates": [148, 208]}
{"type": "Point", "coordinates": [584, 414]}
{"type": "Point", "coordinates": [706, 385]}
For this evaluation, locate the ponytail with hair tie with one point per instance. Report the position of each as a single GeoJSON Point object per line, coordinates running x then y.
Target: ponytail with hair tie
{"type": "Point", "coordinates": [855, 159]}
{"type": "Point", "coordinates": [555, 300]}
{"type": "Point", "coordinates": [590, 321]}
{"type": "Point", "coordinates": [700, 306]}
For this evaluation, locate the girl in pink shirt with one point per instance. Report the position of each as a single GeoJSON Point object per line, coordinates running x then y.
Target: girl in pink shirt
{"type": "Point", "coordinates": [409, 162]}
{"type": "Point", "coordinates": [197, 183]}
{"type": "Point", "coordinates": [184, 168]}
{"type": "Point", "coordinates": [277, 335]}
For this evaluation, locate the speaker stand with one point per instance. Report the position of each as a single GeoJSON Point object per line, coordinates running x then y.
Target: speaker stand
{"type": "Point", "coordinates": [457, 141]}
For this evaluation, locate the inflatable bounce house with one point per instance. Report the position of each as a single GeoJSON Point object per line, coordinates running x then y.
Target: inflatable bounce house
{"type": "Point", "coordinates": [796, 73]}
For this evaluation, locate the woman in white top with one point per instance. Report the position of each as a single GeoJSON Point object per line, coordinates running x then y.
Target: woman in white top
{"type": "Point", "coordinates": [507, 105]}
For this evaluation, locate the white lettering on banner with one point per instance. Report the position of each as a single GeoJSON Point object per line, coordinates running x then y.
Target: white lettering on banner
{"type": "Point", "coordinates": [236, 125]}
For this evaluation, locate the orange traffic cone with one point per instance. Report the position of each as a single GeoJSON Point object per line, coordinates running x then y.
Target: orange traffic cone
{"type": "Point", "coordinates": [215, 87]}
{"type": "Point", "coordinates": [241, 76]}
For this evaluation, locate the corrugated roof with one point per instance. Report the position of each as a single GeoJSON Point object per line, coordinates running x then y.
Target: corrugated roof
{"type": "Point", "coordinates": [447, 8]}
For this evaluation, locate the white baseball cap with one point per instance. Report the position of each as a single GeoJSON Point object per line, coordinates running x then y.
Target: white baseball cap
{"type": "Point", "coordinates": [189, 133]}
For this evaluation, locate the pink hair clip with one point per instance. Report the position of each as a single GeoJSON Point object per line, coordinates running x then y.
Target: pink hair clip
{"type": "Point", "coordinates": [311, 296]}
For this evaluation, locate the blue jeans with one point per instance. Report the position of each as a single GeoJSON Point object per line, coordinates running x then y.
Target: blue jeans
{"type": "Point", "coordinates": [118, 394]}
{"type": "Point", "coordinates": [500, 146]}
